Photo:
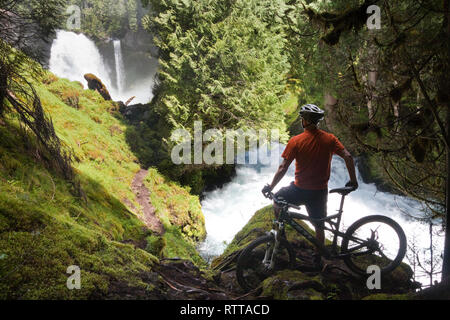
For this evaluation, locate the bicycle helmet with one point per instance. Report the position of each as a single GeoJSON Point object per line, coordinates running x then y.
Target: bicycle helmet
{"type": "Point", "coordinates": [312, 113]}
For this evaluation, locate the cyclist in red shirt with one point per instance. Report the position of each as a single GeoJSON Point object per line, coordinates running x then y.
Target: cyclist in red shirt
{"type": "Point", "coordinates": [312, 150]}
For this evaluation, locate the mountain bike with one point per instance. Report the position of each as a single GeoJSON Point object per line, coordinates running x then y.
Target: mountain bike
{"type": "Point", "coordinates": [372, 240]}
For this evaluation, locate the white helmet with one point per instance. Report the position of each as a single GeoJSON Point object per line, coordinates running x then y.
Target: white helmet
{"type": "Point", "coordinates": [312, 113]}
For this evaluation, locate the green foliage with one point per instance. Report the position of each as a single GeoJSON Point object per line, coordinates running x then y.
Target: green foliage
{"type": "Point", "coordinates": [398, 121]}
{"type": "Point", "coordinates": [220, 63]}
{"type": "Point", "coordinates": [24, 25]}
{"type": "Point", "coordinates": [32, 20]}
{"type": "Point", "coordinates": [146, 142]}
{"type": "Point", "coordinates": [108, 19]}
{"type": "Point", "coordinates": [44, 228]}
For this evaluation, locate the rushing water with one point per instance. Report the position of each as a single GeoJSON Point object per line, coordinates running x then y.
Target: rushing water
{"type": "Point", "coordinates": [120, 69]}
{"type": "Point", "coordinates": [228, 209]}
{"type": "Point", "coordinates": [73, 55]}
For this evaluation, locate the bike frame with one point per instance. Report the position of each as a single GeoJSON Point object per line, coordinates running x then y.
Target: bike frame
{"type": "Point", "coordinates": [333, 221]}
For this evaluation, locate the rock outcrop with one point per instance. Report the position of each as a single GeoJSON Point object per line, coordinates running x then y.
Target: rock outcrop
{"type": "Point", "coordinates": [304, 281]}
{"type": "Point", "coordinates": [135, 112]}
{"type": "Point", "coordinates": [95, 83]}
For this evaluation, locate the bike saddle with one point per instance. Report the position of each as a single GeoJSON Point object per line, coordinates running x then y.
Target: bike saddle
{"type": "Point", "coordinates": [343, 191]}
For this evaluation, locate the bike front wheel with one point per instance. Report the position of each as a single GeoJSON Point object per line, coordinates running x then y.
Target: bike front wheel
{"type": "Point", "coordinates": [257, 261]}
{"type": "Point", "coordinates": [374, 241]}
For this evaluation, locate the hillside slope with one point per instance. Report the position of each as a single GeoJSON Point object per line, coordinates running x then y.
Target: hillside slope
{"type": "Point", "coordinates": [44, 228]}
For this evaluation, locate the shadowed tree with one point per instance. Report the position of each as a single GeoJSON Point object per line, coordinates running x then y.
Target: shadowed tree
{"type": "Point", "coordinates": [389, 86]}
{"type": "Point", "coordinates": [22, 24]}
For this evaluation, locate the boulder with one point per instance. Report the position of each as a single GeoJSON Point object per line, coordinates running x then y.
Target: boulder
{"type": "Point", "coordinates": [95, 83]}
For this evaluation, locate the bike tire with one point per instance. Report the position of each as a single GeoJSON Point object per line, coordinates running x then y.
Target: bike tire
{"type": "Point", "coordinates": [249, 254]}
{"type": "Point", "coordinates": [392, 262]}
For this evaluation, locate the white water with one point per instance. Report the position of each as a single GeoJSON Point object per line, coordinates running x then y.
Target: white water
{"type": "Point", "coordinates": [228, 209]}
{"type": "Point", "coordinates": [73, 55]}
{"type": "Point", "coordinates": [120, 69]}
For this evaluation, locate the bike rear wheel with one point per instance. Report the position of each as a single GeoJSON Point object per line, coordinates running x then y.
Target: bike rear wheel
{"type": "Point", "coordinates": [251, 268]}
{"type": "Point", "coordinates": [374, 240]}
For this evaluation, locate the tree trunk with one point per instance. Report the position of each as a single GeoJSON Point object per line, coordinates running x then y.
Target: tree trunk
{"type": "Point", "coordinates": [431, 253]}
{"type": "Point", "coordinates": [372, 76]}
{"type": "Point", "coordinates": [329, 106]}
{"type": "Point", "coordinates": [3, 87]}
{"type": "Point", "coordinates": [446, 260]}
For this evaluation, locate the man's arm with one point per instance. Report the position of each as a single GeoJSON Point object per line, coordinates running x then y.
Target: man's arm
{"type": "Point", "coordinates": [282, 169]}
{"type": "Point", "coordinates": [344, 154]}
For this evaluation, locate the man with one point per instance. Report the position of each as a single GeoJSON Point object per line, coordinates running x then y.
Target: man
{"type": "Point", "coordinates": [312, 151]}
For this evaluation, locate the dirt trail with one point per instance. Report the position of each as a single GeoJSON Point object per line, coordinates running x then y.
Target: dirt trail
{"type": "Point", "coordinates": [143, 197]}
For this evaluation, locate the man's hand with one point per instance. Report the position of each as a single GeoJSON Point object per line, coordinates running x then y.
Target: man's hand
{"type": "Point", "coordinates": [266, 190]}
{"type": "Point", "coordinates": [349, 163]}
{"type": "Point", "coordinates": [353, 184]}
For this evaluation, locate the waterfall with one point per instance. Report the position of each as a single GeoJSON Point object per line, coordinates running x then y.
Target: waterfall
{"type": "Point", "coordinates": [120, 69]}
{"type": "Point", "coordinates": [229, 208]}
{"type": "Point", "coordinates": [73, 55]}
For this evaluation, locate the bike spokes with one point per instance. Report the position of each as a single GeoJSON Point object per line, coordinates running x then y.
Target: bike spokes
{"type": "Point", "coordinates": [376, 241]}
{"type": "Point", "coordinates": [261, 260]}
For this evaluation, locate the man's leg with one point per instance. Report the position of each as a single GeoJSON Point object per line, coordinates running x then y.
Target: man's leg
{"type": "Point", "coordinates": [320, 235]}
{"type": "Point", "coordinates": [291, 194]}
{"type": "Point", "coordinates": [317, 209]}
{"type": "Point", "coordinates": [276, 210]}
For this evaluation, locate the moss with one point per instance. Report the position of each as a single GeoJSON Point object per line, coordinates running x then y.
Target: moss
{"type": "Point", "coordinates": [36, 260]}
{"type": "Point", "coordinates": [292, 285]}
{"type": "Point", "coordinates": [175, 206]}
{"type": "Point", "coordinates": [44, 228]}
{"type": "Point", "coordinates": [155, 245]}
{"type": "Point", "coordinates": [385, 296]}
{"type": "Point", "coordinates": [177, 247]}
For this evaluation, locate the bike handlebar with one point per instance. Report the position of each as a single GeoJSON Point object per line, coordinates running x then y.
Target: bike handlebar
{"type": "Point", "coordinates": [270, 195]}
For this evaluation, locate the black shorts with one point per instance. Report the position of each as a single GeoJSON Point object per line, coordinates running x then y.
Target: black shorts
{"type": "Point", "coordinates": [314, 200]}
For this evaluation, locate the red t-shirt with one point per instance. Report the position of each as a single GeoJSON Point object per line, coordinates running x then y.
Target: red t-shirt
{"type": "Point", "coordinates": [312, 151]}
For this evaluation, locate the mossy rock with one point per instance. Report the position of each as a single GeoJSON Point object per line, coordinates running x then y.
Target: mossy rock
{"type": "Point", "coordinates": [292, 285]}
{"type": "Point", "coordinates": [305, 282]}
{"type": "Point", "coordinates": [94, 83]}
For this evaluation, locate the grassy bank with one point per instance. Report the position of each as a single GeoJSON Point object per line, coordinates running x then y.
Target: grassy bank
{"type": "Point", "coordinates": [45, 228]}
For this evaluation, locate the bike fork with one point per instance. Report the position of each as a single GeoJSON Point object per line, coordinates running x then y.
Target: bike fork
{"type": "Point", "coordinates": [274, 252]}
{"type": "Point", "coordinates": [271, 251]}
{"type": "Point", "coordinates": [268, 255]}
